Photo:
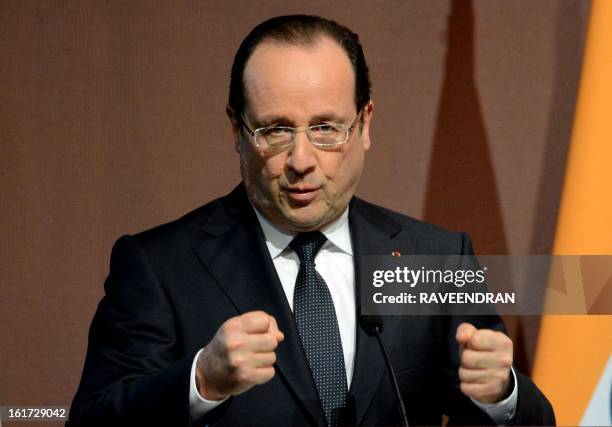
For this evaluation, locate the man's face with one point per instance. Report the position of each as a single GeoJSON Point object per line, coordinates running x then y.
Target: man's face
{"type": "Point", "coordinates": [303, 187]}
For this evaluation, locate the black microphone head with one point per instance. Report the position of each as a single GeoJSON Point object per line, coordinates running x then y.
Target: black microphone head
{"type": "Point", "coordinates": [371, 322]}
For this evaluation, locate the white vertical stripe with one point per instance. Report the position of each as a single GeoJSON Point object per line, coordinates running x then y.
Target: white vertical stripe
{"type": "Point", "coordinates": [598, 412]}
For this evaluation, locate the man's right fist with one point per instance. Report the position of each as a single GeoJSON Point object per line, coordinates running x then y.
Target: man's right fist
{"type": "Point", "coordinates": [240, 356]}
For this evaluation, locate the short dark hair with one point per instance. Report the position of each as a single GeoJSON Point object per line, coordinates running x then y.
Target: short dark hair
{"type": "Point", "coordinates": [300, 30]}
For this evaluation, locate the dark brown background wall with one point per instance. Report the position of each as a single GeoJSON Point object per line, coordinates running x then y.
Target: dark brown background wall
{"type": "Point", "coordinates": [112, 121]}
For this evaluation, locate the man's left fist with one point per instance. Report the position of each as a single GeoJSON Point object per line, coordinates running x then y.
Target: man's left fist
{"type": "Point", "coordinates": [486, 358]}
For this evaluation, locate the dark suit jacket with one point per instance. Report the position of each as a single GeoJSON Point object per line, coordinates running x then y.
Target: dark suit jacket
{"type": "Point", "coordinates": [170, 288]}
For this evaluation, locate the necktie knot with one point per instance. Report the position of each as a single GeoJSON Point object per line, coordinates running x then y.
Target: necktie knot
{"type": "Point", "coordinates": [307, 245]}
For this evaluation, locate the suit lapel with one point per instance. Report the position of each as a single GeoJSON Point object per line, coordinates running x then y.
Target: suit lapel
{"type": "Point", "coordinates": [371, 234]}
{"type": "Point", "coordinates": [235, 254]}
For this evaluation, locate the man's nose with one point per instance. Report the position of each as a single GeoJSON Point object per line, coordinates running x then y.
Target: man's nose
{"type": "Point", "coordinates": [302, 155]}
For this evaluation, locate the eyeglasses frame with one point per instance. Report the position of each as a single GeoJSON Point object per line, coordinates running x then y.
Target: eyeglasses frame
{"type": "Point", "coordinates": [295, 130]}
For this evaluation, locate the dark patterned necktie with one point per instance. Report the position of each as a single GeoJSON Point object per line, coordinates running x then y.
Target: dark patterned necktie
{"type": "Point", "coordinates": [317, 326]}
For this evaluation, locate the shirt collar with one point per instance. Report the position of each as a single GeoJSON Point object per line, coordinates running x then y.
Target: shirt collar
{"type": "Point", "coordinates": [277, 240]}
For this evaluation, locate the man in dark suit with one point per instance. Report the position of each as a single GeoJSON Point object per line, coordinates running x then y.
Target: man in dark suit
{"type": "Point", "coordinates": [245, 310]}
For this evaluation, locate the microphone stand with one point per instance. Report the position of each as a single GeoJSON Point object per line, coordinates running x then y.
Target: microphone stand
{"type": "Point", "coordinates": [393, 378]}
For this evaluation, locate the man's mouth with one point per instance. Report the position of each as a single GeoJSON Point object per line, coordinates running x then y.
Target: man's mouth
{"type": "Point", "coordinates": [301, 195]}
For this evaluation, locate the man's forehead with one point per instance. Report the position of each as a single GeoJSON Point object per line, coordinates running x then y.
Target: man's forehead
{"type": "Point", "coordinates": [296, 61]}
{"type": "Point", "coordinates": [279, 72]}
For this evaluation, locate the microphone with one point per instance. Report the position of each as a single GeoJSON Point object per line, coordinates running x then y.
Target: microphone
{"type": "Point", "coordinates": [373, 326]}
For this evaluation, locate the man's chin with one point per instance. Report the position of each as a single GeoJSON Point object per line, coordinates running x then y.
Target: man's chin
{"type": "Point", "coordinates": [303, 219]}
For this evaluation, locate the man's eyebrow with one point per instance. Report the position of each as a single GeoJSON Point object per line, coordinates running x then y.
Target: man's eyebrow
{"type": "Point", "coordinates": [273, 119]}
{"type": "Point", "coordinates": [281, 120]}
{"type": "Point", "coordinates": [326, 117]}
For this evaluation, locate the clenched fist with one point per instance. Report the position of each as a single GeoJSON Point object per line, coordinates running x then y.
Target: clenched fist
{"type": "Point", "coordinates": [486, 358]}
{"type": "Point", "coordinates": [240, 356]}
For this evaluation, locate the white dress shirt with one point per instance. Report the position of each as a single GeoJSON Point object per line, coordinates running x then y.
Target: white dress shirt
{"type": "Point", "coordinates": [334, 263]}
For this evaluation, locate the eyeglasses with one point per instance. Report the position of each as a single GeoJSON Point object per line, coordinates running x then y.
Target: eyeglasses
{"type": "Point", "coordinates": [324, 135]}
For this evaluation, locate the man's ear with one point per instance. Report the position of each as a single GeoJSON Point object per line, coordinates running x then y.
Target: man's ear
{"type": "Point", "coordinates": [231, 115]}
{"type": "Point", "coordinates": [366, 119]}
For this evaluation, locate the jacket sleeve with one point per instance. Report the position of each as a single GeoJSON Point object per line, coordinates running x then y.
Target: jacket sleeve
{"type": "Point", "coordinates": [532, 409]}
{"type": "Point", "coordinates": [133, 373]}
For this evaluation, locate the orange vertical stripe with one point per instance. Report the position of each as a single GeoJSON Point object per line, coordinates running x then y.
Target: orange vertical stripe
{"type": "Point", "coordinates": [573, 350]}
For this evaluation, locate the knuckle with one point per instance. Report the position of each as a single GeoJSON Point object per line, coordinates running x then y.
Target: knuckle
{"type": "Point", "coordinates": [267, 360]}
{"type": "Point", "coordinates": [462, 374]}
{"type": "Point", "coordinates": [502, 376]}
{"type": "Point", "coordinates": [235, 361]}
{"type": "Point", "coordinates": [261, 316]}
{"type": "Point", "coordinates": [273, 337]}
{"type": "Point", "coordinates": [476, 339]}
{"type": "Point", "coordinates": [503, 340]}
{"type": "Point", "coordinates": [271, 373]}
{"type": "Point", "coordinates": [271, 341]}
{"type": "Point", "coordinates": [244, 376]}
{"type": "Point", "coordinates": [267, 374]}
{"type": "Point", "coordinates": [233, 343]}
{"type": "Point", "coordinates": [273, 321]}
{"type": "Point", "coordinates": [231, 325]}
